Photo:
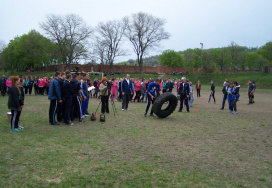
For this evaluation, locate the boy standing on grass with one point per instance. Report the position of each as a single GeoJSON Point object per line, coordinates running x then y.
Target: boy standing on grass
{"type": "Point", "coordinates": [153, 87]}
{"type": "Point", "coordinates": [230, 97]}
{"type": "Point", "coordinates": [212, 93]}
{"type": "Point", "coordinates": [68, 97]}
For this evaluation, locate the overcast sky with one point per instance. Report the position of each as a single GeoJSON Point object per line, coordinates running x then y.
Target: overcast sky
{"type": "Point", "coordinates": [213, 22]}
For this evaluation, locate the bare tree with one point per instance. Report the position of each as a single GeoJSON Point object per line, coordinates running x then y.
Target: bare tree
{"type": "Point", "coordinates": [145, 32]}
{"type": "Point", "coordinates": [70, 33]}
{"type": "Point", "coordinates": [100, 50]}
{"type": "Point", "coordinates": [109, 40]}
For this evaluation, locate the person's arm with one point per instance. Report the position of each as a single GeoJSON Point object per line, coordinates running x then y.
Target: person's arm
{"type": "Point", "coordinates": [57, 89]}
{"type": "Point", "coordinates": [82, 92]}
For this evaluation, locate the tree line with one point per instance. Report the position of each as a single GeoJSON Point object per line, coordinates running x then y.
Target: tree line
{"type": "Point", "coordinates": [68, 40]}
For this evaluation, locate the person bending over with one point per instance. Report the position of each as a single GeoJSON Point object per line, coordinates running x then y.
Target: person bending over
{"type": "Point", "coordinates": [153, 87]}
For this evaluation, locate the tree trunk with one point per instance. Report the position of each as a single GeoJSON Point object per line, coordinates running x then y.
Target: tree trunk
{"type": "Point", "coordinates": [141, 65]}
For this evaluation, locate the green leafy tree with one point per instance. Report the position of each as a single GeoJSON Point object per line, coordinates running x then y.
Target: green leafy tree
{"type": "Point", "coordinates": [221, 58]}
{"type": "Point", "coordinates": [170, 58]}
{"type": "Point", "coordinates": [266, 51]}
{"type": "Point", "coordinates": [208, 63]}
{"type": "Point", "coordinates": [189, 56]}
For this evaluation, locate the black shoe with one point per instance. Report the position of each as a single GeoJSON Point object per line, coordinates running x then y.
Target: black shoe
{"type": "Point", "coordinates": [188, 111]}
{"type": "Point", "coordinates": [81, 121]}
{"type": "Point", "coordinates": [152, 115]}
{"type": "Point", "coordinates": [87, 113]}
{"type": "Point", "coordinates": [108, 112]}
{"type": "Point", "coordinates": [144, 114]}
{"type": "Point", "coordinates": [221, 108]}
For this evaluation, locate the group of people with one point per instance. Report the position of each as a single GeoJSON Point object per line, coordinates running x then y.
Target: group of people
{"type": "Point", "coordinates": [69, 94]}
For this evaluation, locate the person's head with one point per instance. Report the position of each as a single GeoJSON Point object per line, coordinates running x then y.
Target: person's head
{"type": "Point", "coordinates": [226, 79]}
{"type": "Point", "coordinates": [84, 76]}
{"type": "Point", "coordinates": [96, 78]}
{"type": "Point", "coordinates": [127, 76]}
{"type": "Point", "coordinates": [80, 76]}
{"type": "Point", "coordinates": [190, 83]}
{"type": "Point", "coordinates": [104, 80]}
{"type": "Point", "coordinates": [4, 75]}
{"type": "Point", "coordinates": [63, 75]}
{"type": "Point", "coordinates": [183, 79]}
{"type": "Point", "coordinates": [227, 83]}
{"type": "Point", "coordinates": [15, 80]}
{"type": "Point", "coordinates": [231, 84]}
{"type": "Point", "coordinates": [69, 77]}
{"type": "Point", "coordinates": [235, 84]}
{"type": "Point", "coordinates": [198, 81]}
{"type": "Point", "coordinates": [75, 76]}
{"type": "Point", "coordinates": [157, 81]}
{"type": "Point", "coordinates": [21, 81]}
{"type": "Point", "coordinates": [250, 81]}
{"type": "Point", "coordinates": [67, 72]}
{"type": "Point", "coordinates": [57, 75]}
{"type": "Point", "coordinates": [212, 82]}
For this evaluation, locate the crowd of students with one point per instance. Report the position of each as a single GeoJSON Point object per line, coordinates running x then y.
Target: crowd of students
{"type": "Point", "coordinates": [69, 94]}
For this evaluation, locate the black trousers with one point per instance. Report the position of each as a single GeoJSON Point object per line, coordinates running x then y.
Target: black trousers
{"type": "Point", "coordinates": [76, 106]}
{"type": "Point", "coordinates": [3, 90]}
{"type": "Point", "coordinates": [41, 90]}
{"type": "Point", "coordinates": [26, 89]}
{"type": "Point", "coordinates": [224, 100]}
{"type": "Point", "coordinates": [185, 99]}
{"type": "Point", "coordinates": [60, 112]}
{"type": "Point", "coordinates": [126, 98]}
{"type": "Point", "coordinates": [138, 95]}
{"type": "Point", "coordinates": [198, 92]}
{"type": "Point", "coordinates": [68, 110]}
{"type": "Point", "coordinates": [120, 94]}
{"type": "Point", "coordinates": [52, 111]}
{"type": "Point", "coordinates": [104, 104]}
{"type": "Point", "coordinates": [30, 89]}
{"type": "Point", "coordinates": [149, 101]}
{"type": "Point", "coordinates": [212, 95]}
{"type": "Point", "coordinates": [15, 119]}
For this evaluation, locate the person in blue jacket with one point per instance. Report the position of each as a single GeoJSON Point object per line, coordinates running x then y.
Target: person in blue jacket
{"type": "Point", "coordinates": [54, 96]}
{"type": "Point", "coordinates": [235, 96]}
{"type": "Point", "coordinates": [153, 88]}
{"type": "Point", "coordinates": [126, 89]}
{"type": "Point", "coordinates": [68, 98]}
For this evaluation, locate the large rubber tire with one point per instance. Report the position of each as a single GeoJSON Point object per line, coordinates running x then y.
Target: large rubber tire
{"type": "Point", "coordinates": [172, 104]}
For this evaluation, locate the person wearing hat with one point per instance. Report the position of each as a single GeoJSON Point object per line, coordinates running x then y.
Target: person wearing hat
{"type": "Point", "coordinates": [183, 92]}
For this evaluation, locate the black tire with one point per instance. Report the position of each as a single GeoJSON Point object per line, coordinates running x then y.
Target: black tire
{"type": "Point", "coordinates": [172, 104]}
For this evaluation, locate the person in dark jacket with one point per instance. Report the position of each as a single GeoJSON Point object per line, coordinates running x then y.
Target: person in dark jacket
{"type": "Point", "coordinates": [250, 91]}
{"type": "Point", "coordinates": [14, 103]}
{"type": "Point", "coordinates": [21, 99]}
{"type": "Point", "coordinates": [127, 91]}
{"type": "Point", "coordinates": [35, 83]}
{"type": "Point", "coordinates": [151, 92]}
{"type": "Point", "coordinates": [235, 96]}
{"type": "Point", "coordinates": [30, 86]}
{"type": "Point", "coordinates": [84, 94]}
{"type": "Point", "coordinates": [61, 106]}
{"type": "Point", "coordinates": [76, 106]}
{"type": "Point", "coordinates": [169, 86]}
{"type": "Point", "coordinates": [3, 85]}
{"type": "Point", "coordinates": [225, 93]}
{"type": "Point", "coordinates": [212, 93]}
{"type": "Point", "coordinates": [68, 98]}
{"type": "Point", "coordinates": [54, 96]}
{"type": "Point", "coordinates": [183, 92]}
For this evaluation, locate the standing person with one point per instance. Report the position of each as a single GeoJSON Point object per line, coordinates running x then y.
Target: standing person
{"type": "Point", "coordinates": [225, 82]}
{"type": "Point", "coordinates": [127, 91]}
{"type": "Point", "coordinates": [61, 106]}
{"type": "Point", "coordinates": [96, 91]}
{"type": "Point", "coordinates": [104, 96]}
{"type": "Point", "coordinates": [26, 84]}
{"type": "Point", "coordinates": [30, 85]}
{"type": "Point", "coordinates": [133, 87]}
{"type": "Point", "coordinates": [84, 93]}
{"type": "Point", "coordinates": [235, 94]}
{"type": "Point", "coordinates": [54, 96]}
{"type": "Point", "coordinates": [143, 90]}
{"type": "Point", "coordinates": [164, 86]}
{"type": "Point", "coordinates": [68, 98]}
{"type": "Point", "coordinates": [120, 89]}
{"type": "Point", "coordinates": [191, 95]}
{"type": "Point", "coordinates": [3, 85]}
{"type": "Point", "coordinates": [35, 83]}
{"type": "Point", "coordinates": [153, 88]}
{"type": "Point", "coordinates": [21, 99]}
{"type": "Point", "coordinates": [169, 86]}
{"type": "Point", "coordinates": [89, 84]}
{"type": "Point", "coordinates": [250, 91]}
{"type": "Point", "coordinates": [230, 97]}
{"type": "Point", "coordinates": [225, 93]}
{"type": "Point", "coordinates": [41, 86]}
{"type": "Point", "coordinates": [212, 93]}
{"type": "Point", "coordinates": [137, 89]}
{"type": "Point", "coordinates": [253, 92]}
{"type": "Point", "coordinates": [8, 83]}
{"type": "Point", "coordinates": [183, 93]}
{"type": "Point", "coordinates": [114, 89]}
{"type": "Point", "coordinates": [14, 104]}
{"type": "Point", "coordinates": [198, 88]}
{"type": "Point", "coordinates": [76, 106]}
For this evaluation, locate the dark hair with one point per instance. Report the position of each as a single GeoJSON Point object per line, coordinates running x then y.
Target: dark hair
{"type": "Point", "coordinates": [227, 81]}
{"type": "Point", "coordinates": [75, 76]}
{"type": "Point", "coordinates": [235, 83]}
{"type": "Point", "coordinates": [157, 80]}
{"type": "Point", "coordinates": [57, 73]}
{"type": "Point", "coordinates": [62, 74]}
{"type": "Point", "coordinates": [84, 74]}
{"type": "Point", "coordinates": [68, 76]}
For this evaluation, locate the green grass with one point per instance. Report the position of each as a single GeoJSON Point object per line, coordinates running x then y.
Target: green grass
{"type": "Point", "coordinates": [262, 80]}
{"type": "Point", "coordinates": [211, 148]}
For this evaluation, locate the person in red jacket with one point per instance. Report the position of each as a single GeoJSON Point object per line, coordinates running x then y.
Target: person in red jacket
{"type": "Point", "coordinates": [137, 89]}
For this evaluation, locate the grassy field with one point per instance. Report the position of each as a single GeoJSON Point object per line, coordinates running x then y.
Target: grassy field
{"type": "Point", "coordinates": [262, 80]}
{"type": "Point", "coordinates": [211, 148]}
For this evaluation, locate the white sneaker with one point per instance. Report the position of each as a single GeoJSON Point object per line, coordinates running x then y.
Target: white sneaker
{"type": "Point", "coordinates": [127, 109]}
{"type": "Point", "coordinates": [86, 115]}
{"type": "Point", "coordinates": [123, 109]}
